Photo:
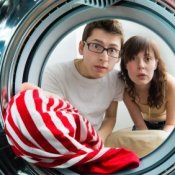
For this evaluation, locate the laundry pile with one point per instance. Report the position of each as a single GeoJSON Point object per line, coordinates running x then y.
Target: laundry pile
{"type": "Point", "coordinates": [49, 132]}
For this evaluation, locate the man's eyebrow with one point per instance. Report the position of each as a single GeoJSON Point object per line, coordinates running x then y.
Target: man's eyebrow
{"type": "Point", "coordinates": [101, 42]}
{"type": "Point", "coordinates": [97, 40]}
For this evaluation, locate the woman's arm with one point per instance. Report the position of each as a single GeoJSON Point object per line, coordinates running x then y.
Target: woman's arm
{"type": "Point", "coordinates": [134, 112]}
{"type": "Point", "coordinates": [170, 107]}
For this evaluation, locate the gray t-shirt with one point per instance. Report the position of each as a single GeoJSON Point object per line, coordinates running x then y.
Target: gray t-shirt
{"type": "Point", "coordinates": [90, 96]}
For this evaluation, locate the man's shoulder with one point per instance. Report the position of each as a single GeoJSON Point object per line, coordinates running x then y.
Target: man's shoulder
{"type": "Point", "coordinates": [59, 66]}
{"type": "Point", "coordinates": [113, 77]}
{"type": "Point", "coordinates": [114, 74]}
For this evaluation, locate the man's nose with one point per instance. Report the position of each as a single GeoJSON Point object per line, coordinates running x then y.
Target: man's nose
{"type": "Point", "coordinates": [104, 55]}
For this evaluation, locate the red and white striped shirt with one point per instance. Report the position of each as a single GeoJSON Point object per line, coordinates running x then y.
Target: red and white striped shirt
{"type": "Point", "coordinates": [50, 132]}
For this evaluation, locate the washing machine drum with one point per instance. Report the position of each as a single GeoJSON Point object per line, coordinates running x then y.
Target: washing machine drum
{"type": "Point", "coordinates": [31, 30]}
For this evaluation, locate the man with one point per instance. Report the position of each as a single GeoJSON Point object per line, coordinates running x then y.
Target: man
{"type": "Point", "coordinates": [90, 83]}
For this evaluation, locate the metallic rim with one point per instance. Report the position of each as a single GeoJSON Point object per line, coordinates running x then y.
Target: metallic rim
{"type": "Point", "coordinates": [45, 23]}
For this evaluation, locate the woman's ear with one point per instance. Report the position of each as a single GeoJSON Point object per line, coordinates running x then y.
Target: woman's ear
{"type": "Point", "coordinates": [81, 47]}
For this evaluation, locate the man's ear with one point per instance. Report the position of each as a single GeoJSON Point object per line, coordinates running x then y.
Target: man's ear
{"type": "Point", "coordinates": [81, 47]}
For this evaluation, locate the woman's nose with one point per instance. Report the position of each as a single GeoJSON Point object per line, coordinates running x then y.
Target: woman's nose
{"type": "Point", "coordinates": [141, 63]}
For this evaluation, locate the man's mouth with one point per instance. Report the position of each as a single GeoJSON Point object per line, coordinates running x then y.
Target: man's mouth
{"type": "Point", "coordinates": [100, 67]}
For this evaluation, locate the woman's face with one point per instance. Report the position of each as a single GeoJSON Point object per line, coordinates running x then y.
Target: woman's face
{"type": "Point", "coordinates": [141, 68]}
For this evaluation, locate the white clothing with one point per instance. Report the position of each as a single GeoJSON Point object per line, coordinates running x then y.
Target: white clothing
{"type": "Point", "coordinates": [90, 96]}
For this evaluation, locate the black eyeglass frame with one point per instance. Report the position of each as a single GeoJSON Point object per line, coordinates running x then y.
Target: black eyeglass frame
{"type": "Point", "coordinates": [103, 49]}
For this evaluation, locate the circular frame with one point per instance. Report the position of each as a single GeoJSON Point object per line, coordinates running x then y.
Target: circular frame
{"type": "Point", "coordinates": [34, 31]}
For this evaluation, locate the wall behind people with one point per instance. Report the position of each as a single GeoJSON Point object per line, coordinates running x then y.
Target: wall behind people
{"type": "Point", "coordinates": [67, 50]}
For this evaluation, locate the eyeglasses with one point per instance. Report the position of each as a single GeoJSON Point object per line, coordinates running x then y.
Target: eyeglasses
{"type": "Point", "coordinates": [97, 48]}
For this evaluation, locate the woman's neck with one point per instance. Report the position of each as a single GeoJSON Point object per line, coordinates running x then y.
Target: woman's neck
{"type": "Point", "coordinates": [142, 89]}
{"type": "Point", "coordinates": [142, 93]}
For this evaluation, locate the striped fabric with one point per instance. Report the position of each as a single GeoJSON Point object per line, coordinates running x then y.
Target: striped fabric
{"type": "Point", "coordinates": [49, 132]}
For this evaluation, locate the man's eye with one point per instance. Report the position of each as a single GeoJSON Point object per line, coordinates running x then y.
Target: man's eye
{"type": "Point", "coordinates": [97, 46]}
{"type": "Point", "coordinates": [113, 50]}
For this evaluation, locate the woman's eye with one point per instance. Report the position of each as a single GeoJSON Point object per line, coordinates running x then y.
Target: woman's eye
{"type": "Point", "coordinates": [133, 58]}
{"type": "Point", "coordinates": [147, 59]}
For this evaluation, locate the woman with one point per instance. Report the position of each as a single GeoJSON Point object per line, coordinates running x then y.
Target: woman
{"type": "Point", "coordinates": [150, 89]}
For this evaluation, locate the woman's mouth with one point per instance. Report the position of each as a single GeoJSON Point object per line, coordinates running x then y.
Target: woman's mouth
{"type": "Point", "coordinates": [141, 76]}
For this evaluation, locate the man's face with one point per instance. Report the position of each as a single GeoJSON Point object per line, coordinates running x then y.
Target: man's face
{"type": "Point", "coordinates": [97, 65]}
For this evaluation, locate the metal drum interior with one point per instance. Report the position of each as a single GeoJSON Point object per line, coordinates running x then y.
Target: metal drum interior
{"type": "Point", "coordinates": [30, 30]}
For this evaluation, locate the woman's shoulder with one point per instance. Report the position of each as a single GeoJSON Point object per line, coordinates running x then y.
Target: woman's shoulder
{"type": "Point", "coordinates": [170, 82]}
{"type": "Point", "coordinates": [170, 78]}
